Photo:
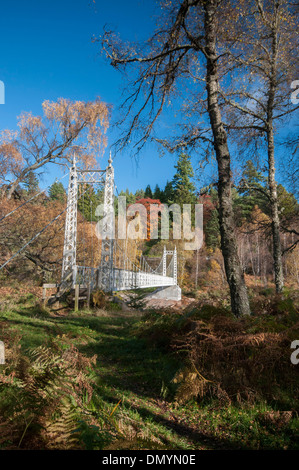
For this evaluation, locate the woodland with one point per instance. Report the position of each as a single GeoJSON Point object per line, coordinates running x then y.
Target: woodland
{"type": "Point", "coordinates": [220, 368]}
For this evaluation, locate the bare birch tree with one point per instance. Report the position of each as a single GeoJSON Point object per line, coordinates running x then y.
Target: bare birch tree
{"type": "Point", "coordinates": [266, 63]}
{"type": "Point", "coordinates": [185, 51]}
{"type": "Point", "coordinates": [65, 127]}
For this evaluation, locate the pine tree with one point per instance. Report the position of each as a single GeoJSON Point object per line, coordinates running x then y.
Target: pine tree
{"type": "Point", "coordinates": [57, 192]}
{"type": "Point", "coordinates": [212, 231]}
{"type": "Point", "coordinates": [183, 187]}
{"type": "Point", "coordinates": [252, 191]}
{"type": "Point", "coordinates": [148, 192]}
{"type": "Point", "coordinates": [288, 205]}
{"type": "Point", "coordinates": [89, 199]}
{"type": "Point", "coordinates": [158, 193]}
{"type": "Point", "coordinates": [168, 193]}
{"type": "Point", "coordinates": [211, 219]}
{"type": "Point", "coordinates": [139, 194]}
{"type": "Point", "coordinates": [31, 183]}
{"type": "Point", "coordinates": [131, 198]}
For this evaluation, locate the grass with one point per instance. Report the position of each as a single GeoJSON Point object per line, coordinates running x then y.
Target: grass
{"type": "Point", "coordinates": [134, 381]}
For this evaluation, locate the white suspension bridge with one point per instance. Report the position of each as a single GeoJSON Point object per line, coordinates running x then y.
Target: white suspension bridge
{"type": "Point", "coordinates": [116, 271]}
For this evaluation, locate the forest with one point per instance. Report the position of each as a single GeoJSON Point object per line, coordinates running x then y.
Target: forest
{"type": "Point", "coordinates": [252, 218]}
{"type": "Point", "coordinates": [111, 370]}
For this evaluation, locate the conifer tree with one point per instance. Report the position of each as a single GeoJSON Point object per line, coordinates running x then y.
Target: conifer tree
{"type": "Point", "coordinates": [148, 192]}
{"type": "Point", "coordinates": [57, 192]}
{"type": "Point", "coordinates": [89, 198]}
{"type": "Point", "coordinates": [158, 193]}
{"type": "Point", "coordinates": [252, 191]}
{"type": "Point", "coordinates": [168, 193]}
{"type": "Point", "coordinates": [183, 187]}
{"type": "Point", "coordinates": [139, 194]}
{"type": "Point", "coordinates": [31, 183]}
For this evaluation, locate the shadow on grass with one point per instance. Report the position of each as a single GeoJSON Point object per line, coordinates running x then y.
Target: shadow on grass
{"type": "Point", "coordinates": [127, 367]}
{"type": "Point", "coordinates": [124, 359]}
{"type": "Point", "coordinates": [33, 331]}
{"type": "Point", "coordinates": [199, 439]}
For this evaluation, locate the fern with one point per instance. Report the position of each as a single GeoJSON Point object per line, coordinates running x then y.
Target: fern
{"type": "Point", "coordinates": [47, 397]}
{"type": "Point", "coordinates": [191, 384]}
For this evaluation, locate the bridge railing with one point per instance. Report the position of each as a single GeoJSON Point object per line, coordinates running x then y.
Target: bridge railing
{"type": "Point", "coordinates": [123, 279]}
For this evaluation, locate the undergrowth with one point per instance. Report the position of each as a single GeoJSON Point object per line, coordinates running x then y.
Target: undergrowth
{"type": "Point", "coordinates": [233, 360]}
{"type": "Point", "coordinates": [191, 379]}
{"type": "Point", "coordinates": [48, 400]}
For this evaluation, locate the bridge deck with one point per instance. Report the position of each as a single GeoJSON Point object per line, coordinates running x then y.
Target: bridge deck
{"type": "Point", "coordinates": [124, 279]}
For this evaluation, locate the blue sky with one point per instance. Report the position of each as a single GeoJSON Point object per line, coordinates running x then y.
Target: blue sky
{"type": "Point", "coordinates": [47, 52]}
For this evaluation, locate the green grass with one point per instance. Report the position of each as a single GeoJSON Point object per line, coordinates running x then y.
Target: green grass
{"type": "Point", "coordinates": [137, 374]}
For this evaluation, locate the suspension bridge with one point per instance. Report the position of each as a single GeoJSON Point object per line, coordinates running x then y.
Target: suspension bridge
{"type": "Point", "coordinates": [116, 271]}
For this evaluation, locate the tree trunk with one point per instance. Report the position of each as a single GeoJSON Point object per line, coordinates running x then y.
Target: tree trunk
{"type": "Point", "coordinates": [233, 269]}
{"type": "Point", "coordinates": [12, 188]}
{"type": "Point", "coordinates": [196, 273]}
{"type": "Point", "coordinates": [275, 224]}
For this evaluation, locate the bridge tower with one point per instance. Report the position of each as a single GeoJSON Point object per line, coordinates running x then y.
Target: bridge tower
{"type": "Point", "coordinates": [68, 274]}
{"type": "Point", "coordinates": [106, 268]}
{"type": "Point", "coordinates": [173, 253]}
{"type": "Point", "coordinates": [69, 266]}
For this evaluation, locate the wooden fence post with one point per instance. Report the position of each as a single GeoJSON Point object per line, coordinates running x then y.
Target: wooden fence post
{"type": "Point", "coordinates": [2, 353]}
{"type": "Point", "coordinates": [76, 297]}
{"type": "Point", "coordinates": [88, 296]}
{"type": "Point", "coordinates": [44, 296]}
{"type": "Point", "coordinates": [45, 287]}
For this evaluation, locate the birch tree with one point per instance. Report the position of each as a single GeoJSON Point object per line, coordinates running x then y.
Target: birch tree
{"type": "Point", "coordinates": [65, 127]}
{"type": "Point", "coordinates": [183, 56]}
{"type": "Point", "coordinates": [265, 65]}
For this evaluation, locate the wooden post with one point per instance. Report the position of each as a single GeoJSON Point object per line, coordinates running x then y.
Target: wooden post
{"type": "Point", "coordinates": [88, 296]}
{"type": "Point", "coordinates": [76, 297]}
{"type": "Point", "coordinates": [45, 287]}
{"type": "Point", "coordinates": [2, 353]}
{"type": "Point", "coordinates": [44, 295]}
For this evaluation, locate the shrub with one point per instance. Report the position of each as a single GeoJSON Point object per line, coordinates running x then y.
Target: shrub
{"type": "Point", "coordinates": [232, 360]}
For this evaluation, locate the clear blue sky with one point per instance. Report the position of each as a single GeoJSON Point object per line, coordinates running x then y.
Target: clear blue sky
{"type": "Point", "coordinates": [47, 53]}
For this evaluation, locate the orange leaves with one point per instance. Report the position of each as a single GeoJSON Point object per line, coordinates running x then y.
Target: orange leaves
{"type": "Point", "coordinates": [69, 112]}
{"type": "Point", "coordinates": [79, 119]}
{"type": "Point", "coordinates": [29, 125]}
{"type": "Point", "coordinates": [259, 220]}
{"type": "Point", "coordinates": [11, 160]}
{"type": "Point", "coordinates": [152, 211]}
{"type": "Point", "coordinates": [66, 127]}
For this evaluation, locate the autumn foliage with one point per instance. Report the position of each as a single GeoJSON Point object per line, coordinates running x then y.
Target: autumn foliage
{"type": "Point", "coordinates": [65, 129]}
